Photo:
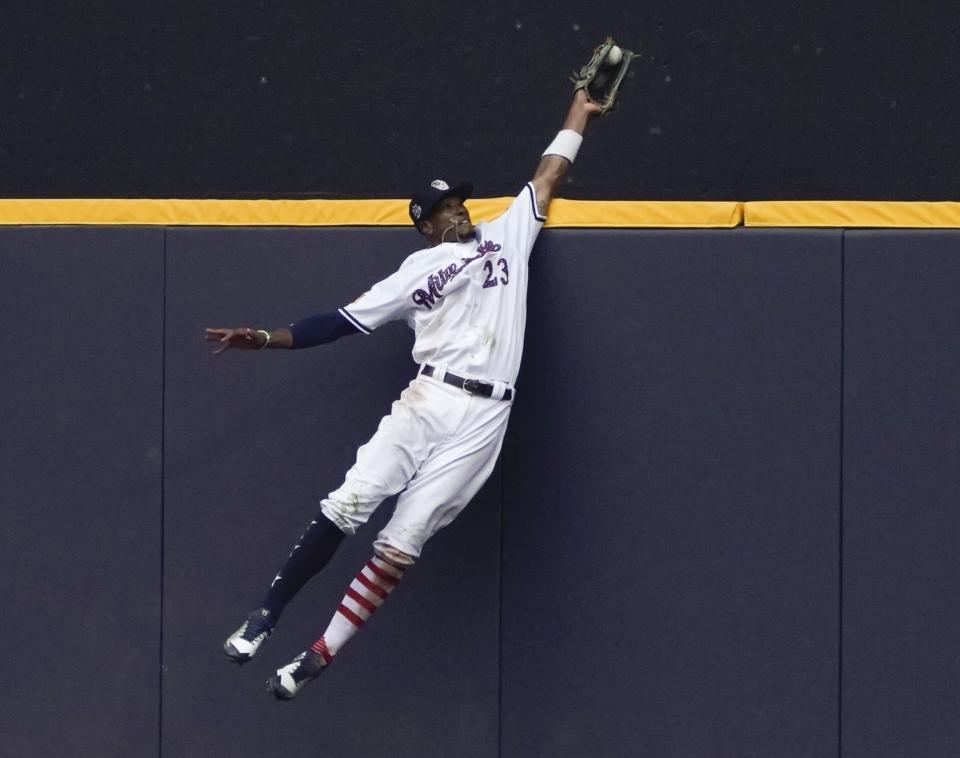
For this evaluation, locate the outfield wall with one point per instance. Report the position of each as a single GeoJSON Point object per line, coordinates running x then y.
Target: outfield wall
{"type": "Point", "coordinates": [723, 523]}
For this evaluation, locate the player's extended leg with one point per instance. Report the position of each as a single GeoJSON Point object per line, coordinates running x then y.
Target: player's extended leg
{"type": "Point", "coordinates": [443, 486]}
{"type": "Point", "coordinates": [311, 553]}
{"type": "Point", "coordinates": [384, 466]}
{"type": "Point", "coordinates": [369, 588]}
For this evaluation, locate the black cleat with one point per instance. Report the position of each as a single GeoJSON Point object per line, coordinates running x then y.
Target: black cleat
{"type": "Point", "coordinates": [243, 644]}
{"type": "Point", "coordinates": [293, 677]}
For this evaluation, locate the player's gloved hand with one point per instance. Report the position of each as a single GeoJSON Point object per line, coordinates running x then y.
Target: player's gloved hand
{"type": "Point", "coordinates": [603, 74]}
{"type": "Point", "coordinates": [243, 338]}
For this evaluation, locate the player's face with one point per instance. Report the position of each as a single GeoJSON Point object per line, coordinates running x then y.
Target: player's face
{"type": "Point", "coordinates": [450, 220]}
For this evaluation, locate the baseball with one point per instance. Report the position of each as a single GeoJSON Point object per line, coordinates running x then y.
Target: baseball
{"type": "Point", "coordinates": [614, 56]}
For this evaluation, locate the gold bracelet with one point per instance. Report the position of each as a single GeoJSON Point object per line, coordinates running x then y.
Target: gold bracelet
{"type": "Point", "coordinates": [266, 335]}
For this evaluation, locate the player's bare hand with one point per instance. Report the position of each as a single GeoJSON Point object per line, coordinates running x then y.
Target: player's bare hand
{"type": "Point", "coordinates": [581, 111]}
{"type": "Point", "coordinates": [244, 338]}
{"type": "Point", "coordinates": [581, 100]}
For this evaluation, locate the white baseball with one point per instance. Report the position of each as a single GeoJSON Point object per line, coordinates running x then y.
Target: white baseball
{"type": "Point", "coordinates": [614, 56]}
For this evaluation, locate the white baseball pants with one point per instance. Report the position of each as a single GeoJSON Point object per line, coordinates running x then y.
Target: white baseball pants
{"type": "Point", "coordinates": [438, 446]}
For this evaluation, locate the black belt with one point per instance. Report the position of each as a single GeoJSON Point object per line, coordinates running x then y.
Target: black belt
{"type": "Point", "coordinates": [473, 386]}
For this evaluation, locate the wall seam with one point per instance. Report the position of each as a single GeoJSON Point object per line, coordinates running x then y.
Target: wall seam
{"type": "Point", "coordinates": [840, 535]}
{"type": "Point", "coordinates": [163, 478]}
{"type": "Point", "coordinates": [503, 466]}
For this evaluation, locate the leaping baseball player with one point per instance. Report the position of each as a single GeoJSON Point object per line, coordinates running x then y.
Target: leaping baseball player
{"type": "Point", "coordinates": [464, 295]}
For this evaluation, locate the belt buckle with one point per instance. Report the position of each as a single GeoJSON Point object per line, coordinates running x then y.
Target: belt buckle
{"type": "Point", "coordinates": [472, 386]}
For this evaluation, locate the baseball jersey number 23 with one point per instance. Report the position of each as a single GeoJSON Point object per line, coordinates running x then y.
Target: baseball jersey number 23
{"type": "Point", "coordinates": [492, 279]}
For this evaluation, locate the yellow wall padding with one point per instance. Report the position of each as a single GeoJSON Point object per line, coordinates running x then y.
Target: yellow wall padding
{"type": "Point", "coordinates": [563, 213]}
{"type": "Point", "coordinates": [207, 212]}
{"type": "Point", "coordinates": [852, 213]}
{"type": "Point", "coordinates": [630, 213]}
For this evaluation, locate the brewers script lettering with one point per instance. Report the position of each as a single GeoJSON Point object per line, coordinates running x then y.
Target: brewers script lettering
{"type": "Point", "coordinates": [436, 282]}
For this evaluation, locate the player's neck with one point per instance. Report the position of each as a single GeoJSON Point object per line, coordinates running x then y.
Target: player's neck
{"type": "Point", "coordinates": [469, 237]}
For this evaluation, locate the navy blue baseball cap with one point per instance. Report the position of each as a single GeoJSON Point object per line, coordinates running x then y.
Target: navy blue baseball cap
{"type": "Point", "coordinates": [424, 201]}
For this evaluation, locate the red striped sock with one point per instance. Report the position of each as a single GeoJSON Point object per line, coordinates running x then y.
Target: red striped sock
{"type": "Point", "coordinates": [369, 588]}
{"type": "Point", "coordinates": [320, 646]}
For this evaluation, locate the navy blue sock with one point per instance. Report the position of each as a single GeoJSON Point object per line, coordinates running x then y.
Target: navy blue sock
{"type": "Point", "coordinates": [314, 550]}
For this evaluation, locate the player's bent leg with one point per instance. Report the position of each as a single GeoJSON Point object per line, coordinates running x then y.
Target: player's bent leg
{"type": "Point", "coordinates": [386, 463]}
{"type": "Point", "coordinates": [383, 467]}
{"type": "Point", "coordinates": [312, 552]}
{"type": "Point", "coordinates": [369, 588]}
{"type": "Point", "coordinates": [317, 545]}
{"type": "Point", "coordinates": [445, 485]}
{"type": "Point", "coordinates": [393, 556]}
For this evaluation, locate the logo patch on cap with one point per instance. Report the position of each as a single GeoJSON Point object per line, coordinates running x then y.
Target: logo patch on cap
{"type": "Point", "coordinates": [440, 185]}
{"type": "Point", "coordinates": [416, 210]}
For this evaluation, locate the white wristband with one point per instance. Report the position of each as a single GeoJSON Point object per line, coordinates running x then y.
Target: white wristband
{"type": "Point", "coordinates": [566, 144]}
{"type": "Point", "coordinates": [266, 334]}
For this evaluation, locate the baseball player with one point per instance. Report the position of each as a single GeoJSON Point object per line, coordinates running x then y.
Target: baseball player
{"type": "Point", "coordinates": [464, 295]}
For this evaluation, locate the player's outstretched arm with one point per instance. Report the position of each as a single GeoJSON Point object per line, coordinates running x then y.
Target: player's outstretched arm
{"type": "Point", "coordinates": [246, 338]}
{"type": "Point", "coordinates": [307, 332]}
{"type": "Point", "coordinates": [559, 156]}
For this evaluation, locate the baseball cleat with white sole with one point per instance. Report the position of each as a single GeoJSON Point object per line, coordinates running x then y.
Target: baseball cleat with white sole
{"type": "Point", "coordinates": [293, 677]}
{"type": "Point", "coordinates": [243, 644]}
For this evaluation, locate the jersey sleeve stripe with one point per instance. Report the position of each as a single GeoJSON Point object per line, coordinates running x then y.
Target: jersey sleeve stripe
{"type": "Point", "coordinates": [533, 204]}
{"type": "Point", "coordinates": [346, 314]}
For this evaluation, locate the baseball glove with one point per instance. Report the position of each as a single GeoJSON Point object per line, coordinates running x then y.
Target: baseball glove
{"type": "Point", "coordinates": [602, 75]}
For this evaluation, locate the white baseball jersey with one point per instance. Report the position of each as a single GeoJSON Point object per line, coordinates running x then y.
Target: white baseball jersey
{"type": "Point", "coordinates": [466, 301]}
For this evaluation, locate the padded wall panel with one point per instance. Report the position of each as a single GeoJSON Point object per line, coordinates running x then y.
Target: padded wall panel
{"type": "Point", "coordinates": [80, 466]}
{"type": "Point", "coordinates": [671, 503]}
{"type": "Point", "coordinates": [254, 440]}
{"type": "Point", "coordinates": [901, 529]}
{"type": "Point", "coordinates": [671, 534]}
